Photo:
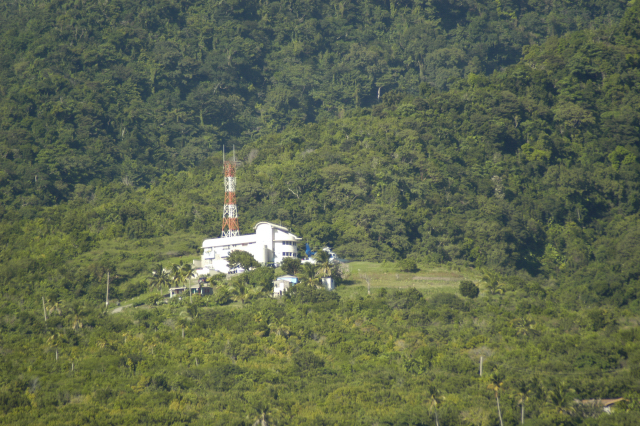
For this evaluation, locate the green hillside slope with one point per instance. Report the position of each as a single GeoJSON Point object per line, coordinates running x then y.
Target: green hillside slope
{"type": "Point", "coordinates": [533, 168]}
{"type": "Point", "coordinates": [503, 152]}
{"type": "Point", "coordinates": [95, 91]}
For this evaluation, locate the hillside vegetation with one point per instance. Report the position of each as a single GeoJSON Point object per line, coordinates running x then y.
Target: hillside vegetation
{"type": "Point", "coordinates": [493, 142]}
{"type": "Point", "coordinates": [96, 91]}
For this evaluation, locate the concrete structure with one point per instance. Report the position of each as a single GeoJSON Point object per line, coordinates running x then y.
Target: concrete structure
{"type": "Point", "coordinates": [280, 287]}
{"type": "Point", "coordinates": [283, 283]}
{"type": "Point", "coordinates": [195, 290]}
{"type": "Point", "coordinates": [328, 283]}
{"type": "Point", "coordinates": [271, 244]}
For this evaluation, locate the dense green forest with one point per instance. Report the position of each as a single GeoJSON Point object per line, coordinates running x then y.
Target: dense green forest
{"type": "Point", "coordinates": [494, 140]}
{"type": "Point", "coordinates": [96, 90]}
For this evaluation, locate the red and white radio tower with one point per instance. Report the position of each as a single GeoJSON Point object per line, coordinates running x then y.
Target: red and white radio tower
{"type": "Point", "coordinates": [230, 213]}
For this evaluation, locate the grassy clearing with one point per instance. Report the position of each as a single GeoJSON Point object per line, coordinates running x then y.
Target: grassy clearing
{"type": "Point", "coordinates": [167, 250]}
{"type": "Point", "coordinates": [428, 280]}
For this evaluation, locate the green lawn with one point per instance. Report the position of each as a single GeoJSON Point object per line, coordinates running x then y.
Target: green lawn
{"type": "Point", "coordinates": [429, 279]}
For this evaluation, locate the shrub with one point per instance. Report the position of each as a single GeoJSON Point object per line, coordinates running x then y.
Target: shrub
{"type": "Point", "coordinates": [447, 300]}
{"type": "Point", "coordinates": [469, 289]}
{"type": "Point", "coordinates": [290, 265]}
{"type": "Point", "coordinates": [406, 299]}
{"type": "Point", "coordinates": [134, 289]}
{"type": "Point", "coordinates": [217, 279]}
{"type": "Point", "coordinates": [305, 361]}
{"type": "Point", "coordinates": [242, 259]}
{"type": "Point", "coordinates": [305, 294]}
{"type": "Point", "coordinates": [261, 277]}
{"type": "Point", "coordinates": [408, 265]}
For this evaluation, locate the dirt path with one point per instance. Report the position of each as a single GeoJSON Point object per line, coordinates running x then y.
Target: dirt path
{"type": "Point", "coordinates": [119, 309]}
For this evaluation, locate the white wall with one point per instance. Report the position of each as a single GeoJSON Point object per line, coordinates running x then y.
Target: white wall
{"type": "Point", "coordinates": [268, 244]}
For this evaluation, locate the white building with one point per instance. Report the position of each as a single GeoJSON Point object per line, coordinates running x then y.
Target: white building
{"type": "Point", "coordinates": [270, 244]}
{"type": "Point", "coordinates": [328, 283]}
{"type": "Point", "coordinates": [283, 283]}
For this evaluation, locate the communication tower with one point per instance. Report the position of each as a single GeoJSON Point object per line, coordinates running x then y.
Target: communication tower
{"type": "Point", "coordinates": [230, 213]}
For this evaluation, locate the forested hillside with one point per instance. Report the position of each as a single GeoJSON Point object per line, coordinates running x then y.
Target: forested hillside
{"type": "Point", "coordinates": [499, 140]}
{"type": "Point", "coordinates": [93, 91]}
{"type": "Point", "coordinates": [533, 168]}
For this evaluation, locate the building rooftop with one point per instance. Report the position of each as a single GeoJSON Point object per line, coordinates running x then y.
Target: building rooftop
{"type": "Point", "coordinates": [273, 225]}
{"type": "Point", "coordinates": [600, 402]}
{"type": "Point", "coordinates": [250, 238]}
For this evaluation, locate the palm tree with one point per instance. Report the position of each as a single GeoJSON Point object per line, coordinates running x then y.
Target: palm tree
{"type": "Point", "coordinates": [181, 273]}
{"type": "Point", "coordinates": [279, 328]}
{"type": "Point", "coordinates": [537, 390]}
{"type": "Point", "coordinates": [183, 324]}
{"type": "Point", "coordinates": [159, 278]}
{"type": "Point", "coordinates": [523, 391]}
{"type": "Point", "coordinates": [55, 307]}
{"type": "Point", "coordinates": [241, 293]}
{"type": "Point", "coordinates": [324, 264]}
{"type": "Point", "coordinates": [176, 274]}
{"type": "Point", "coordinates": [310, 275]}
{"type": "Point", "coordinates": [77, 322]}
{"type": "Point", "coordinates": [493, 281]}
{"type": "Point", "coordinates": [222, 293]}
{"type": "Point", "coordinates": [187, 273]}
{"type": "Point", "coordinates": [53, 341]}
{"type": "Point", "coordinates": [559, 396]}
{"type": "Point", "coordinates": [525, 326]}
{"type": "Point", "coordinates": [263, 418]}
{"type": "Point", "coordinates": [256, 291]}
{"type": "Point", "coordinates": [496, 380]}
{"type": "Point", "coordinates": [435, 399]}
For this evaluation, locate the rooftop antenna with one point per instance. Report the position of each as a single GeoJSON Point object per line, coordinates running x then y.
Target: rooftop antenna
{"type": "Point", "coordinates": [230, 213]}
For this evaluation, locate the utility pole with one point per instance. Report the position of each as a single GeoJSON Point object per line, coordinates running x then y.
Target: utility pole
{"type": "Point", "coordinates": [107, 302]}
{"type": "Point", "coordinates": [480, 366]}
{"type": "Point", "coordinates": [44, 309]}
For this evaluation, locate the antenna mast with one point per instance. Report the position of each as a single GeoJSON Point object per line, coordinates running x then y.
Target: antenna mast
{"type": "Point", "coordinates": [230, 213]}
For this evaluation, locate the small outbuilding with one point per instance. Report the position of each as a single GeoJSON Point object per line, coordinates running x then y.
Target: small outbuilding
{"type": "Point", "coordinates": [195, 290]}
{"type": "Point", "coordinates": [604, 404]}
{"type": "Point", "coordinates": [280, 287]}
{"type": "Point", "coordinates": [328, 283]}
{"type": "Point", "coordinates": [283, 283]}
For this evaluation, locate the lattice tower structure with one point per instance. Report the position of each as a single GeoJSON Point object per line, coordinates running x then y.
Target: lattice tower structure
{"type": "Point", "coordinates": [230, 226]}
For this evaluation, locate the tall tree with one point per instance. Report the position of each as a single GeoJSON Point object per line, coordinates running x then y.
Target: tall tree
{"type": "Point", "coordinates": [323, 264]}
{"type": "Point", "coordinates": [496, 381]}
{"type": "Point", "coordinates": [492, 281]}
{"type": "Point", "coordinates": [435, 399]}
{"type": "Point", "coordinates": [560, 397]}
{"type": "Point", "coordinates": [159, 278]}
{"type": "Point", "coordinates": [523, 391]}
{"type": "Point", "coordinates": [241, 259]}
